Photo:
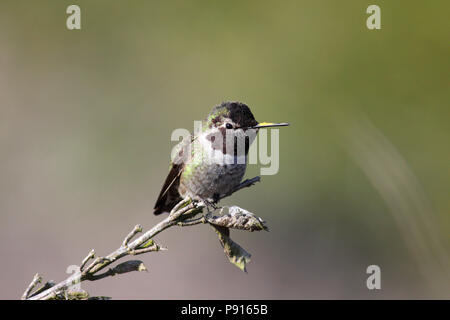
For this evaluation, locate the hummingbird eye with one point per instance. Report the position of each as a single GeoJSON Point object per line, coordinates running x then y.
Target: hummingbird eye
{"type": "Point", "coordinates": [229, 126]}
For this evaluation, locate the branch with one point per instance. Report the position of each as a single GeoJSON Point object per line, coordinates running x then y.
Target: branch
{"type": "Point", "coordinates": [36, 279]}
{"type": "Point", "coordinates": [181, 215]}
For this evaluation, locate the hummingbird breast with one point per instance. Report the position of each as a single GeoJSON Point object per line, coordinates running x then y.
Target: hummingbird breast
{"type": "Point", "coordinates": [210, 173]}
{"type": "Point", "coordinates": [210, 180]}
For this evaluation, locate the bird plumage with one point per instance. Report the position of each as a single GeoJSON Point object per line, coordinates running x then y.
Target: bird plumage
{"type": "Point", "coordinates": [194, 172]}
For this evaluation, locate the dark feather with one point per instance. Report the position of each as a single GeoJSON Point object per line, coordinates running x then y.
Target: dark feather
{"type": "Point", "coordinates": [169, 196]}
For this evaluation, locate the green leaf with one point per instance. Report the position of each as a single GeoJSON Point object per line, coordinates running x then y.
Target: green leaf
{"type": "Point", "coordinates": [128, 266]}
{"type": "Point", "coordinates": [147, 244]}
{"type": "Point", "coordinates": [235, 253]}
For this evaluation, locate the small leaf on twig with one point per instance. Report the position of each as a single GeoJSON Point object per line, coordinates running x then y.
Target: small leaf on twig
{"type": "Point", "coordinates": [147, 244]}
{"type": "Point", "coordinates": [238, 218]}
{"type": "Point", "coordinates": [76, 295]}
{"type": "Point", "coordinates": [128, 266]}
{"type": "Point", "coordinates": [235, 253]}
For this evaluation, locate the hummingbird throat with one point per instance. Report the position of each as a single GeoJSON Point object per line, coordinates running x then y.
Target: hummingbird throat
{"type": "Point", "coordinates": [219, 145]}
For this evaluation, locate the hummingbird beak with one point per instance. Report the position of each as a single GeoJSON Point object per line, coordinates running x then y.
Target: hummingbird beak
{"type": "Point", "coordinates": [269, 124]}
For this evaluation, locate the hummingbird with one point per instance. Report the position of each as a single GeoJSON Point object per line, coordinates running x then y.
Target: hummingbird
{"type": "Point", "coordinates": [211, 163]}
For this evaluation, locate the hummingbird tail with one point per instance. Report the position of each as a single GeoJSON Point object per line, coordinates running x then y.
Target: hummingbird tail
{"type": "Point", "coordinates": [169, 196]}
{"type": "Point", "coordinates": [167, 201]}
{"type": "Point", "coordinates": [166, 205]}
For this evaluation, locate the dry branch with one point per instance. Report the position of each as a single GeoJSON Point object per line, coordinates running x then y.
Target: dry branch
{"type": "Point", "coordinates": [183, 214]}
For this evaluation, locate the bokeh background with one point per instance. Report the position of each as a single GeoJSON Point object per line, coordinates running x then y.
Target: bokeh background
{"type": "Point", "coordinates": [86, 118]}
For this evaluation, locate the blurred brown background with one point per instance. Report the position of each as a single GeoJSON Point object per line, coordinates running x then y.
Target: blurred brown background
{"type": "Point", "coordinates": [86, 118]}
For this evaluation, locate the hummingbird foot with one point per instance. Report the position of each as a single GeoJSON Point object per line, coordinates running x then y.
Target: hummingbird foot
{"type": "Point", "coordinates": [210, 205]}
{"type": "Point", "coordinates": [216, 198]}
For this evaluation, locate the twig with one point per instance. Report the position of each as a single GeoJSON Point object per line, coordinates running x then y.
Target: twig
{"type": "Point", "coordinates": [36, 279]}
{"type": "Point", "coordinates": [90, 256]}
{"type": "Point", "coordinates": [135, 231]}
{"type": "Point", "coordinates": [179, 215]}
{"type": "Point", "coordinates": [192, 222]}
{"type": "Point", "coordinates": [145, 250]}
{"type": "Point", "coordinates": [47, 285]}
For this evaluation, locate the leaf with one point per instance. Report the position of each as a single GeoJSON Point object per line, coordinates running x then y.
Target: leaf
{"type": "Point", "coordinates": [149, 243]}
{"type": "Point", "coordinates": [235, 253]}
{"type": "Point", "coordinates": [76, 295]}
{"type": "Point", "coordinates": [238, 218]}
{"type": "Point", "coordinates": [128, 266]}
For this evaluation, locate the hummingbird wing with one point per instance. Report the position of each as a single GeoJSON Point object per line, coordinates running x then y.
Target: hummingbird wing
{"type": "Point", "coordinates": [169, 195]}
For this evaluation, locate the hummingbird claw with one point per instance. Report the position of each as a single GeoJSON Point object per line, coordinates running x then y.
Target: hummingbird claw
{"type": "Point", "coordinates": [216, 198]}
{"type": "Point", "coordinates": [210, 204]}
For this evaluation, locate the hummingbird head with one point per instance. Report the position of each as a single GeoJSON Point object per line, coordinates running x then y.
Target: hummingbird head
{"type": "Point", "coordinates": [235, 118]}
{"type": "Point", "coordinates": [231, 116]}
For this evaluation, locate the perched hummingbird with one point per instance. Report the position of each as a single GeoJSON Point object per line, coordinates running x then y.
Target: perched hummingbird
{"type": "Point", "coordinates": [198, 174]}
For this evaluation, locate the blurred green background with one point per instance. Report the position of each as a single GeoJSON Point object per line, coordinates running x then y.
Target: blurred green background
{"type": "Point", "coordinates": [86, 118]}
